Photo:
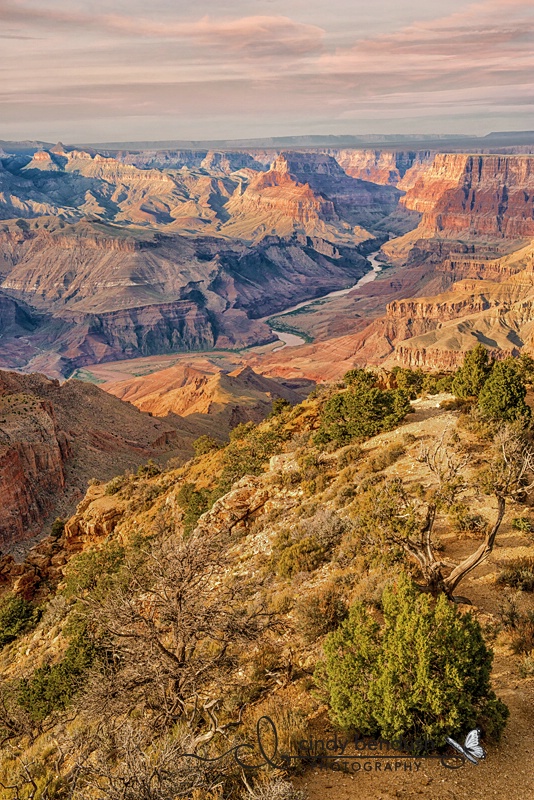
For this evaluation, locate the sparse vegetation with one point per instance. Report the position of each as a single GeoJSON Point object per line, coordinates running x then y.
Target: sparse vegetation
{"type": "Point", "coordinates": [115, 484]}
{"type": "Point", "coordinates": [473, 374]}
{"type": "Point", "coordinates": [91, 570]}
{"type": "Point", "coordinates": [170, 635]}
{"type": "Point", "coordinates": [320, 612]}
{"type": "Point", "coordinates": [52, 687]}
{"type": "Point", "coordinates": [194, 503]}
{"type": "Point", "coordinates": [518, 573]}
{"type": "Point", "coordinates": [205, 444]}
{"type": "Point", "coordinates": [17, 616]}
{"type": "Point", "coordinates": [360, 411]}
{"type": "Point", "coordinates": [523, 524]}
{"type": "Point", "coordinates": [503, 395]}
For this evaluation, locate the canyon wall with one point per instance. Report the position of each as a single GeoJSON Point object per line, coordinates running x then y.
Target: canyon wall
{"type": "Point", "coordinates": [55, 437]}
{"type": "Point", "coordinates": [483, 194]}
{"type": "Point", "coordinates": [486, 198]}
{"type": "Point", "coordinates": [95, 292]}
{"type": "Point", "coordinates": [386, 167]}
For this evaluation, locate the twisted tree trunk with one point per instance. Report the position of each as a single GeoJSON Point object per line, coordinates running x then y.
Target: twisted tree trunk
{"type": "Point", "coordinates": [476, 558]}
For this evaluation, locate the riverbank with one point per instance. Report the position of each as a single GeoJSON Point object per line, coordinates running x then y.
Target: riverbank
{"type": "Point", "coordinates": [292, 337]}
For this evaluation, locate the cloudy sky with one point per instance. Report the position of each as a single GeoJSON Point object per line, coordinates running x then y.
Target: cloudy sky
{"type": "Point", "coordinates": [108, 70]}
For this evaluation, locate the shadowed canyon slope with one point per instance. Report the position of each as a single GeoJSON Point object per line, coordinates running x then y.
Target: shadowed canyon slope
{"type": "Point", "coordinates": [478, 199]}
{"type": "Point", "coordinates": [54, 438]}
{"type": "Point", "coordinates": [153, 252]}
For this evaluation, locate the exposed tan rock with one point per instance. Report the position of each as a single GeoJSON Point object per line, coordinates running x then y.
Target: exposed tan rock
{"type": "Point", "coordinates": [387, 167]}
{"type": "Point", "coordinates": [308, 192]}
{"type": "Point", "coordinates": [132, 293]}
{"type": "Point", "coordinates": [219, 401]}
{"type": "Point", "coordinates": [95, 519]}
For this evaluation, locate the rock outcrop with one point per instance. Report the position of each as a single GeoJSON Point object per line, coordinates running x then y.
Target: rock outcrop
{"type": "Point", "coordinates": [97, 292]}
{"type": "Point", "coordinates": [386, 167]}
{"type": "Point", "coordinates": [113, 257]}
{"type": "Point", "coordinates": [309, 192]}
{"type": "Point", "coordinates": [33, 452]}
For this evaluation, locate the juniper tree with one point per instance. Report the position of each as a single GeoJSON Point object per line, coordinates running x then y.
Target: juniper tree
{"type": "Point", "coordinates": [473, 374]}
{"type": "Point", "coordinates": [390, 513]}
{"type": "Point", "coordinates": [425, 672]}
{"type": "Point", "coordinates": [503, 395]}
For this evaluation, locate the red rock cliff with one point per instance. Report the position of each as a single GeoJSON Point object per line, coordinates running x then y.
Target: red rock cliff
{"type": "Point", "coordinates": [480, 195]}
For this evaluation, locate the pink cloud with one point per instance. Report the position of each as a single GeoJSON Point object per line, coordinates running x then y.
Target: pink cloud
{"type": "Point", "coordinates": [253, 35]}
{"type": "Point", "coordinates": [490, 35]}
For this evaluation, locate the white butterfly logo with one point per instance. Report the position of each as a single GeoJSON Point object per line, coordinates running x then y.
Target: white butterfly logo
{"type": "Point", "coordinates": [472, 749]}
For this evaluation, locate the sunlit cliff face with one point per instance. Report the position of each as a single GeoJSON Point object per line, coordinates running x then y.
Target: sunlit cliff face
{"type": "Point", "coordinates": [124, 71]}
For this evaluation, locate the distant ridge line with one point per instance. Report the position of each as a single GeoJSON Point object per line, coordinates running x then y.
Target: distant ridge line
{"type": "Point", "coordinates": [441, 142]}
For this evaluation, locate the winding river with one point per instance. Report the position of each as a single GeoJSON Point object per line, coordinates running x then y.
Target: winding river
{"type": "Point", "coordinates": [291, 339]}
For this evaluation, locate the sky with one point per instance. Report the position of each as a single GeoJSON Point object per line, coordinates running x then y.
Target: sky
{"type": "Point", "coordinates": [127, 70]}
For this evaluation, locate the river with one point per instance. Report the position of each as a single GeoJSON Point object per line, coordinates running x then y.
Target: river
{"type": "Point", "coordinates": [291, 339]}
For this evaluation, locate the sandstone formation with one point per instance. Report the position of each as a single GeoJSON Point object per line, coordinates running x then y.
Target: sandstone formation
{"type": "Point", "coordinates": [312, 193]}
{"type": "Point", "coordinates": [98, 292]}
{"type": "Point", "coordinates": [218, 400]}
{"type": "Point", "coordinates": [386, 167]}
{"type": "Point", "coordinates": [110, 260]}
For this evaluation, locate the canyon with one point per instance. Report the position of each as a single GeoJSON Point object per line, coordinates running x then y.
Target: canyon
{"type": "Point", "coordinates": [108, 255]}
{"type": "Point", "coordinates": [116, 255]}
{"type": "Point", "coordinates": [102, 259]}
{"type": "Point", "coordinates": [55, 438]}
{"type": "Point", "coordinates": [462, 276]}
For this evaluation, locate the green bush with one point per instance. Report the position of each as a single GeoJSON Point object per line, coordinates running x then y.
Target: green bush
{"type": "Point", "coordinates": [58, 528]}
{"type": "Point", "coordinates": [115, 484]}
{"type": "Point", "coordinates": [205, 444]}
{"type": "Point", "coordinates": [360, 378]}
{"type": "Point", "coordinates": [194, 503]}
{"type": "Point", "coordinates": [436, 383]}
{"type": "Point", "coordinates": [411, 381]}
{"type": "Point", "coordinates": [52, 687]}
{"type": "Point", "coordinates": [518, 573]}
{"type": "Point", "coordinates": [17, 616]}
{"type": "Point", "coordinates": [525, 365]}
{"type": "Point", "coordinates": [278, 407]}
{"type": "Point", "coordinates": [503, 395]}
{"type": "Point", "coordinates": [92, 569]}
{"type": "Point", "coordinates": [148, 470]}
{"type": "Point", "coordinates": [523, 524]}
{"type": "Point", "coordinates": [473, 374]}
{"type": "Point", "coordinates": [248, 452]}
{"type": "Point", "coordinates": [304, 555]}
{"type": "Point", "coordinates": [360, 412]}
{"type": "Point", "coordinates": [425, 672]}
